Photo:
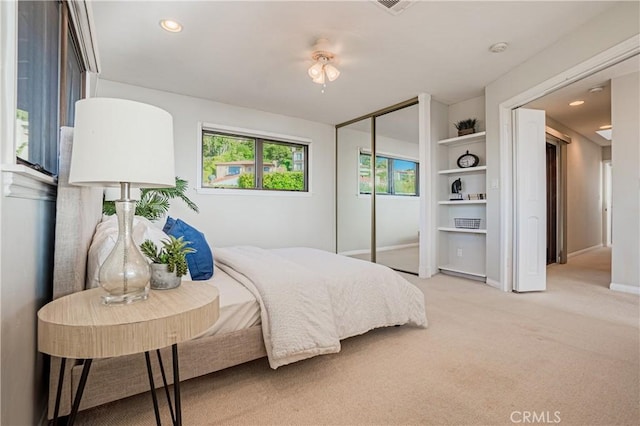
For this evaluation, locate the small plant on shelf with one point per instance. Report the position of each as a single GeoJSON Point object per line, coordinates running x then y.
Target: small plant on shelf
{"type": "Point", "coordinates": [466, 127]}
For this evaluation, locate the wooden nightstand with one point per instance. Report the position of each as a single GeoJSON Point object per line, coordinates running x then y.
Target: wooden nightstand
{"type": "Point", "coordinates": [79, 326]}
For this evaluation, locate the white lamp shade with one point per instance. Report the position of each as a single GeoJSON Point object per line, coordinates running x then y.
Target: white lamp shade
{"type": "Point", "coordinates": [118, 140]}
{"type": "Point", "coordinates": [316, 70]}
{"type": "Point", "coordinates": [331, 71]}
{"type": "Point", "coordinates": [319, 79]}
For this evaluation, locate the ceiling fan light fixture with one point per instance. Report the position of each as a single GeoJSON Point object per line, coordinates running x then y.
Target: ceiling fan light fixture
{"type": "Point", "coordinates": [319, 79]}
{"type": "Point", "coordinates": [331, 72]}
{"type": "Point", "coordinates": [323, 69]}
{"type": "Point", "coordinates": [316, 70]}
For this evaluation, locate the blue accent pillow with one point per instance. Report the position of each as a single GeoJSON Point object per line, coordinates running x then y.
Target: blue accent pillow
{"type": "Point", "coordinates": [201, 262]}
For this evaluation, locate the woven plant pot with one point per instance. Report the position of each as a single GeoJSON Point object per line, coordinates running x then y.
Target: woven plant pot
{"type": "Point", "coordinates": [463, 132]}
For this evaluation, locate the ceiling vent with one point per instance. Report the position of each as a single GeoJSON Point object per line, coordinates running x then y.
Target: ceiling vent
{"type": "Point", "coordinates": [394, 7]}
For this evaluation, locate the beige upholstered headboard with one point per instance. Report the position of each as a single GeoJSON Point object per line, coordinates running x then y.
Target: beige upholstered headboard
{"type": "Point", "coordinates": [78, 211]}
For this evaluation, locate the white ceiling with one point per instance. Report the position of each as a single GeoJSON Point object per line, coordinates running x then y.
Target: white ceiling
{"type": "Point", "coordinates": [255, 54]}
{"type": "Point", "coordinates": [596, 110]}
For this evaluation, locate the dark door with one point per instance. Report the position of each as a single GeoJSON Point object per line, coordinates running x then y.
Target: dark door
{"type": "Point", "coordinates": [552, 202]}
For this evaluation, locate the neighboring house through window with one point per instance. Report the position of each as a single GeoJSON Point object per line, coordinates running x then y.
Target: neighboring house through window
{"type": "Point", "coordinates": [237, 161]}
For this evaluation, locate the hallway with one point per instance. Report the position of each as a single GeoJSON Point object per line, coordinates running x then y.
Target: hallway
{"type": "Point", "coordinates": [590, 268]}
{"type": "Point", "coordinates": [582, 288]}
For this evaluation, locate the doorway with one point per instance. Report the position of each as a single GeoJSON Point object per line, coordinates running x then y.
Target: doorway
{"type": "Point", "coordinates": [509, 262]}
{"type": "Point", "coordinates": [575, 177]}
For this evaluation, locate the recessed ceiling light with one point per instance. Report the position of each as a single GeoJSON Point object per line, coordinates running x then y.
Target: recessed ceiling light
{"type": "Point", "coordinates": [596, 89]}
{"type": "Point", "coordinates": [171, 25]}
{"type": "Point", "coordinates": [606, 126]}
{"type": "Point", "coordinates": [498, 47]}
{"type": "Point", "coordinates": [576, 103]}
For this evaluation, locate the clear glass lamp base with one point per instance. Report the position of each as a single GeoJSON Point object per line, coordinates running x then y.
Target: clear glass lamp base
{"type": "Point", "coordinates": [124, 275]}
{"type": "Point", "coordinates": [115, 299]}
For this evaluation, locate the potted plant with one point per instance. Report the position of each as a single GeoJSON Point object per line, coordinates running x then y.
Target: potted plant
{"type": "Point", "coordinates": [154, 202]}
{"type": "Point", "coordinates": [466, 127]}
{"type": "Point", "coordinates": [169, 262]}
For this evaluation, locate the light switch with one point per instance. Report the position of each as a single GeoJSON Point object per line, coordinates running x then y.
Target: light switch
{"type": "Point", "coordinates": [495, 183]}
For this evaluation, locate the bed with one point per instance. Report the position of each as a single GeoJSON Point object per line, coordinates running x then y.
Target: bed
{"type": "Point", "coordinates": [259, 317]}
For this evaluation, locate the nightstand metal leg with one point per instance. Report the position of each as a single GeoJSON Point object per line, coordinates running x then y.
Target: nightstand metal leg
{"type": "Point", "coordinates": [63, 364]}
{"type": "Point", "coordinates": [83, 381]}
{"type": "Point", "coordinates": [166, 387]}
{"type": "Point", "coordinates": [152, 386]}
{"type": "Point", "coordinates": [176, 384]}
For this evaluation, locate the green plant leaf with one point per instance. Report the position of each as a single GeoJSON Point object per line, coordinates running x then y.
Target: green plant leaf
{"type": "Point", "coordinates": [173, 253]}
{"type": "Point", "coordinates": [154, 203]}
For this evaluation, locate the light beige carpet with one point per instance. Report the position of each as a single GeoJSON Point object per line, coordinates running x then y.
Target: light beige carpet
{"type": "Point", "coordinates": [404, 259]}
{"type": "Point", "coordinates": [487, 358]}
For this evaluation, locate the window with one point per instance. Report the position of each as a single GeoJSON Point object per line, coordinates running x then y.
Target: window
{"type": "Point", "coordinates": [247, 162]}
{"type": "Point", "coordinates": [394, 176]}
{"type": "Point", "coordinates": [49, 81]}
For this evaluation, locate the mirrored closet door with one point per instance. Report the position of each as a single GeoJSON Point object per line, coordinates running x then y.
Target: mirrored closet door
{"type": "Point", "coordinates": [397, 191]}
{"type": "Point", "coordinates": [378, 204]}
{"type": "Point", "coordinates": [354, 211]}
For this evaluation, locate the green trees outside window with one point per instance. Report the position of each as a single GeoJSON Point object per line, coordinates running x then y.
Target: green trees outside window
{"type": "Point", "coordinates": [394, 176]}
{"type": "Point", "coordinates": [236, 161]}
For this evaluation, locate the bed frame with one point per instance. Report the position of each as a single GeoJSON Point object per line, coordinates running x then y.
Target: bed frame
{"type": "Point", "coordinates": [79, 210]}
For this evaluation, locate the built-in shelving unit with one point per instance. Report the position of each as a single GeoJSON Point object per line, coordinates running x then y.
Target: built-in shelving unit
{"type": "Point", "coordinates": [477, 169]}
{"type": "Point", "coordinates": [464, 140]}
{"type": "Point", "coordinates": [461, 251]}
{"type": "Point", "coordinates": [463, 202]}
{"type": "Point", "coordinates": [462, 230]}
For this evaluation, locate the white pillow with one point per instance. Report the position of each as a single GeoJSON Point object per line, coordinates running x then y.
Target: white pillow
{"type": "Point", "coordinates": [105, 237]}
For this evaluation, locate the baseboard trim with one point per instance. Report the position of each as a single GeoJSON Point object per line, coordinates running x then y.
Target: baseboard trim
{"type": "Point", "coordinates": [424, 272]}
{"type": "Point", "coordinates": [494, 283]}
{"type": "Point", "coordinates": [625, 288]}
{"type": "Point", "coordinates": [386, 248]}
{"type": "Point", "coordinates": [584, 250]}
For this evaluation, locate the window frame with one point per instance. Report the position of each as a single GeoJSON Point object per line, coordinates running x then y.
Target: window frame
{"type": "Point", "coordinates": [67, 35]}
{"type": "Point", "coordinates": [390, 172]}
{"type": "Point", "coordinates": [260, 137]}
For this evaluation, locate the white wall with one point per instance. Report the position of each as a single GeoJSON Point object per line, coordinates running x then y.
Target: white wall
{"type": "Point", "coordinates": [261, 219]}
{"type": "Point", "coordinates": [625, 175]}
{"type": "Point", "coordinates": [26, 251]}
{"type": "Point", "coordinates": [27, 213]}
{"type": "Point", "coordinates": [397, 218]}
{"type": "Point", "coordinates": [606, 153]}
{"type": "Point", "coordinates": [609, 29]}
{"type": "Point", "coordinates": [584, 190]}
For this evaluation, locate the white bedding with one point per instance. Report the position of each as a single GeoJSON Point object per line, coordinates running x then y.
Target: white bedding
{"type": "Point", "coordinates": [310, 299]}
{"type": "Point", "coordinates": [238, 308]}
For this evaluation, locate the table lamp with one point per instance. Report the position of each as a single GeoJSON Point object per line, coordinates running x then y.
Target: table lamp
{"type": "Point", "coordinates": [126, 144]}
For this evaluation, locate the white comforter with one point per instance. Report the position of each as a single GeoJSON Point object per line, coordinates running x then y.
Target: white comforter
{"type": "Point", "coordinates": [310, 299]}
